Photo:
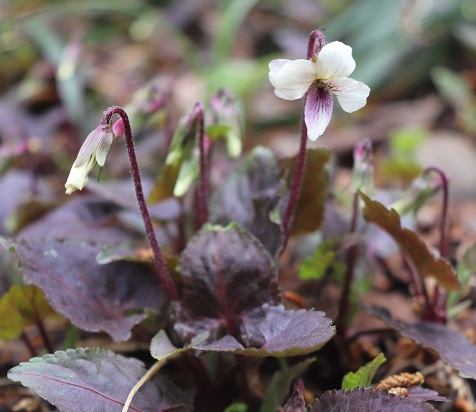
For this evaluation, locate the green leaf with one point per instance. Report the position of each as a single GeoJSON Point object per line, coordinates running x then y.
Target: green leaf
{"type": "Point", "coordinates": [181, 165]}
{"type": "Point", "coordinates": [465, 269]}
{"type": "Point", "coordinates": [22, 306]}
{"type": "Point", "coordinates": [315, 266]}
{"type": "Point", "coordinates": [236, 407]}
{"type": "Point", "coordinates": [229, 21]}
{"type": "Point", "coordinates": [363, 377]}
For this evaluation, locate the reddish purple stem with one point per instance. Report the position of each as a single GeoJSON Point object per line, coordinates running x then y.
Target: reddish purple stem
{"type": "Point", "coordinates": [163, 273]}
{"type": "Point", "coordinates": [441, 312]}
{"type": "Point", "coordinates": [315, 44]}
{"type": "Point", "coordinates": [203, 185]}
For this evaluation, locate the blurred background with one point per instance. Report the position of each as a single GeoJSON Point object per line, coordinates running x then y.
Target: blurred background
{"type": "Point", "coordinates": [64, 62]}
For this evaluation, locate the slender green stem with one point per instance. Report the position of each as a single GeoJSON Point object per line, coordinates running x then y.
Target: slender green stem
{"type": "Point", "coordinates": [163, 273]}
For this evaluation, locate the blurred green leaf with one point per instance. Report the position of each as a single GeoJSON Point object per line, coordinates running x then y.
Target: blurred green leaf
{"type": "Point", "coordinates": [315, 266]}
{"type": "Point", "coordinates": [22, 306]}
{"type": "Point", "coordinates": [236, 407]}
{"type": "Point", "coordinates": [452, 86]}
{"type": "Point", "coordinates": [235, 11]}
{"type": "Point", "coordinates": [465, 269]}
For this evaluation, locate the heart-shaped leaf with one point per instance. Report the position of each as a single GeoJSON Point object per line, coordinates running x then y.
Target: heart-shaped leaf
{"type": "Point", "coordinates": [266, 331]}
{"type": "Point", "coordinates": [310, 205]}
{"type": "Point", "coordinates": [226, 273]}
{"type": "Point", "coordinates": [413, 246]}
{"type": "Point", "coordinates": [93, 297]}
{"type": "Point", "coordinates": [20, 307]}
{"type": "Point", "coordinates": [453, 348]}
{"type": "Point", "coordinates": [367, 400]}
{"type": "Point", "coordinates": [92, 379]}
{"type": "Point", "coordinates": [249, 195]}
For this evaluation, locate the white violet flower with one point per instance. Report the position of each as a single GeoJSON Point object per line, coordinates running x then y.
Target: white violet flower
{"type": "Point", "coordinates": [325, 74]}
{"type": "Point", "coordinates": [93, 151]}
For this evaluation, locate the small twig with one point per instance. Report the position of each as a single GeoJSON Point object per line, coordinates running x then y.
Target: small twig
{"type": "Point", "coordinates": [148, 376]}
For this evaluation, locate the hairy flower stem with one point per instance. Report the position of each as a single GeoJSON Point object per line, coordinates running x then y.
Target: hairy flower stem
{"type": "Point", "coordinates": [203, 187]}
{"type": "Point", "coordinates": [297, 183]}
{"type": "Point", "coordinates": [349, 274]}
{"type": "Point", "coordinates": [441, 312]}
{"type": "Point", "coordinates": [163, 273]}
{"type": "Point", "coordinates": [315, 44]}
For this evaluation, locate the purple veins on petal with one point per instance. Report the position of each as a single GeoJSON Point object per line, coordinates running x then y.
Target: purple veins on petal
{"type": "Point", "coordinates": [318, 110]}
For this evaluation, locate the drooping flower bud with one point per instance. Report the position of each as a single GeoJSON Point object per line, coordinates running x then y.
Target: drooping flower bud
{"type": "Point", "coordinates": [93, 151]}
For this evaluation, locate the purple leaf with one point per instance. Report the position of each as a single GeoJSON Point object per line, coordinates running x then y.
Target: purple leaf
{"type": "Point", "coordinates": [93, 379]}
{"type": "Point", "coordinates": [249, 195]}
{"type": "Point", "coordinates": [268, 331]}
{"type": "Point", "coordinates": [295, 401]}
{"type": "Point", "coordinates": [15, 190]}
{"type": "Point", "coordinates": [93, 297]}
{"type": "Point", "coordinates": [423, 394]}
{"type": "Point", "coordinates": [453, 348]}
{"type": "Point", "coordinates": [226, 273]}
{"type": "Point", "coordinates": [122, 194]}
{"type": "Point", "coordinates": [366, 400]}
{"type": "Point", "coordinates": [83, 218]}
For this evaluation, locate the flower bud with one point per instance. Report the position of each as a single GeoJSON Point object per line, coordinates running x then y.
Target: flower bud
{"type": "Point", "coordinates": [93, 151]}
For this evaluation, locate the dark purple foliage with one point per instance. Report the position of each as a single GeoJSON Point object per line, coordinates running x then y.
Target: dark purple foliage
{"type": "Point", "coordinates": [88, 380]}
{"type": "Point", "coordinates": [226, 273]}
{"type": "Point", "coordinates": [295, 401]}
{"type": "Point", "coordinates": [453, 348]}
{"type": "Point", "coordinates": [423, 394]}
{"type": "Point", "coordinates": [248, 197]}
{"type": "Point", "coordinates": [122, 194]}
{"type": "Point", "coordinates": [267, 331]}
{"type": "Point", "coordinates": [93, 297]}
{"type": "Point", "coordinates": [83, 218]}
{"type": "Point", "coordinates": [367, 400]}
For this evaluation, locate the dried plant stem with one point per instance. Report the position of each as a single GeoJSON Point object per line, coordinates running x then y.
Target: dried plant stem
{"type": "Point", "coordinates": [349, 274]}
{"type": "Point", "coordinates": [163, 273]}
{"type": "Point", "coordinates": [142, 381]}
